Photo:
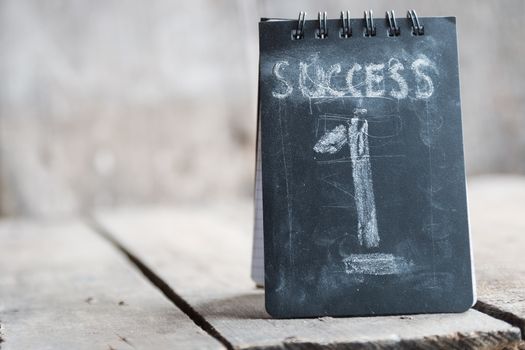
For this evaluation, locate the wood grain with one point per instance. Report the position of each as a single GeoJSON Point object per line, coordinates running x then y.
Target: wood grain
{"type": "Point", "coordinates": [63, 287]}
{"type": "Point", "coordinates": [204, 255]}
{"type": "Point", "coordinates": [497, 206]}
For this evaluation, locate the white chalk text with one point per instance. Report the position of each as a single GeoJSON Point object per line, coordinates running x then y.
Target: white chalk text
{"type": "Point", "coordinates": [395, 78]}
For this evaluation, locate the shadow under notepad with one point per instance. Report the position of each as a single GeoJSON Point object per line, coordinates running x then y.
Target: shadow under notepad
{"type": "Point", "coordinates": [243, 306]}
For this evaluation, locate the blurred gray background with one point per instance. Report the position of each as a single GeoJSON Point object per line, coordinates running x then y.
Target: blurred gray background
{"type": "Point", "coordinates": [118, 103]}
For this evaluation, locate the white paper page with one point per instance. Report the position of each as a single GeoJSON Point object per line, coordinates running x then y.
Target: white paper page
{"type": "Point", "coordinates": [258, 232]}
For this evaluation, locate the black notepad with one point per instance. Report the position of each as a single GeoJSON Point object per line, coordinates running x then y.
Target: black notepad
{"type": "Point", "coordinates": [363, 179]}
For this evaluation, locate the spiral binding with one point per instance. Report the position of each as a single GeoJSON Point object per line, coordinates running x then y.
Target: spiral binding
{"type": "Point", "coordinates": [346, 27]}
{"type": "Point", "coordinates": [369, 29]}
{"type": "Point", "coordinates": [322, 30]}
{"type": "Point", "coordinates": [298, 33]}
{"type": "Point", "coordinates": [417, 29]}
{"type": "Point", "coordinates": [393, 29]}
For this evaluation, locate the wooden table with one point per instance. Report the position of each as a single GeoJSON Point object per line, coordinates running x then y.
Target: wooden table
{"type": "Point", "coordinates": [178, 278]}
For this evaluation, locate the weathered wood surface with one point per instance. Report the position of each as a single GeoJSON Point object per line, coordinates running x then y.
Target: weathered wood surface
{"type": "Point", "coordinates": [497, 208]}
{"type": "Point", "coordinates": [64, 287]}
{"type": "Point", "coordinates": [204, 255]}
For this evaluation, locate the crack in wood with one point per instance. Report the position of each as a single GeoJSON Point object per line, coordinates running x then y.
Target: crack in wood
{"type": "Point", "coordinates": [502, 336]}
{"type": "Point", "coordinates": [504, 316]}
{"type": "Point", "coordinates": [125, 340]}
{"type": "Point", "coordinates": [158, 282]}
{"type": "Point", "coordinates": [477, 340]}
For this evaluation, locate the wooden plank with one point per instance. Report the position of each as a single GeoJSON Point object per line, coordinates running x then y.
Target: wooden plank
{"type": "Point", "coordinates": [204, 255]}
{"type": "Point", "coordinates": [497, 207]}
{"type": "Point", "coordinates": [63, 287]}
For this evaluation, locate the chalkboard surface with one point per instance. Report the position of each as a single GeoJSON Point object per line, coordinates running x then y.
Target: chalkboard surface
{"type": "Point", "coordinates": [363, 179]}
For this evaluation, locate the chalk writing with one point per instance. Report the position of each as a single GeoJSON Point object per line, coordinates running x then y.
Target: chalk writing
{"type": "Point", "coordinates": [288, 89]}
{"type": "Point", "coordinates": [349, 80]}
{"type": "Point", "coordinates": [332, 141]}
{"type": "Point", "coordinates": [394, 66]}
{"type": "Point", "coordinates": [356, 136]}
{"type": "Point", "coordinates": [376, 264]}
{"type": "Point", "coordinates": [374, 79]}
{"type": "Point", "coordinates": [362, 174]}
{"type": "Point", "coordinates": [425, 85]}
